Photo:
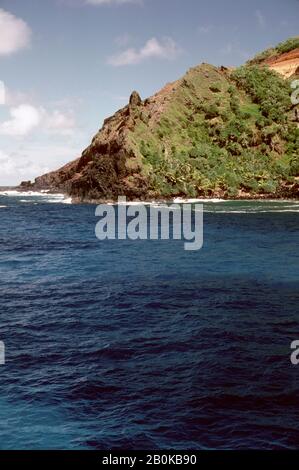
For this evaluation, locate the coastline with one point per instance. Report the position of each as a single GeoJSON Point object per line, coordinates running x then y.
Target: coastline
{"type": "Point", "coordinates": [66, 198]}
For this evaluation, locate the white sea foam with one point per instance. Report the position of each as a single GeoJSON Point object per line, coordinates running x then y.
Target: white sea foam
{"type": "Point", "coordinates": [194, 201]}
{"type": "Point", "coordinates": [131, 203]}
{"type": "Point", "coordinates": [245, 206]}
{"type": "Point", "coordinates": [251, 211]}
{"type": "Point", "coordinates": [157, 203]}
{"type": "Point", "coordinates": [67, 200]}
{"type": "Point", "coordinates": [15, 193]}
{"type": "Point", "coordinates": [63, 200]}
{"type": "Point", "coordinates": [37, 196]}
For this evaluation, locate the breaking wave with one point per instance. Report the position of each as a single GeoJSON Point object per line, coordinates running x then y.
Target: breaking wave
{"type": "Point", "coordinates": [36, 196]}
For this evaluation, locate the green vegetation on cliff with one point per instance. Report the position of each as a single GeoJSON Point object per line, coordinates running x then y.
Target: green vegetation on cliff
{"type": "Point", "coordinates": [223, 133]}
{"type": "Point", "coordinates": [283, 47]}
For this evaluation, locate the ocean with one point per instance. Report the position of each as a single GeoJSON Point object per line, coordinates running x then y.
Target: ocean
{"type": "Point", "coordinates": [123, 344]}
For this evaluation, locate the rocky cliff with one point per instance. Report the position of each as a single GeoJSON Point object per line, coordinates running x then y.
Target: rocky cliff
{"type": "Point", "coordinates": [214, 132]}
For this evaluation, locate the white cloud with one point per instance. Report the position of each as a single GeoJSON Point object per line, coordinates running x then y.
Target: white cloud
{"type": "Point", "coordinates": [204, 29]}
{"type": "Point", "coordinates": [260, 18]}
{"type": "Point", "coordinates": [15, 98]}
{"type": "Point", "coordinates": [164, 49]}
{"type": "Point", "coordinates": [235, 51]}
{"type": "Point", "coordinates": [60, 123]}
{"type": "Point", "coordinates": [111, 2]}
{"type": "Point", "coordinates": [26, 116]}
{"type": "Point", "coordinates": [284, 24]}
{"type": "Point", "coordinates": [123, 40]}
{"type": "Point", "coordinates": [14, 167]}
{"type": "Point", "coordinates": [227, 49]}
{"type": "Point", "coordinates": [2, 93]}
{"type": "Point", "coordinates": [15, 34]}
{"type": "Point", "coordinates": [24, 119]}
{"type": "Point", "coordinates": [26, 163]}
{"type": "Point", "coordinates": [28, 148]}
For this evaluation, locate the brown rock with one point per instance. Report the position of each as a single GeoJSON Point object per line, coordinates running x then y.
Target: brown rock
{"type": "Point", "coordinates": [135, 100]}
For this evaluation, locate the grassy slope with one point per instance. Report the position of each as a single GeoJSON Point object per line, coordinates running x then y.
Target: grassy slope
{"type": "Point", "coordinates": [222, 133]}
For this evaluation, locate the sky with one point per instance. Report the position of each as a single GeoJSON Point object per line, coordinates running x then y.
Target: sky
{"type": "Point", "coordinates": [66, 65]}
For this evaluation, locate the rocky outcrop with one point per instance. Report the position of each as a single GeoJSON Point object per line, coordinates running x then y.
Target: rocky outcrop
{"type": "Point", "coordinates": [286, 64]}
{"type": "Point", "coordinates": [135, 100]}
{"type": "Point", "coordinates": [110, 165]}
{"type": "Point", "coordinates": [58, 180]}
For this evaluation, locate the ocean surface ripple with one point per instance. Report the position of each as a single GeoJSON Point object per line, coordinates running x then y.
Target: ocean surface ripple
{"type": "Point", "coordinates": [142, 345]}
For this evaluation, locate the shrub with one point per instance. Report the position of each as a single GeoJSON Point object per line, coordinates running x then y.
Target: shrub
{"type": "Point", "coordinates": [211, 111]}
{"type": "Point", "coordinates": [281, 48]}
{"type": "Point", "coordinates": [268, 186]}
{"type": "Point", "coordinates": [215, 88]}
{"type": "Point", "coordinates": [288, 45]}
{"type": "Point", "coordinates": [267, 89]}
{"type": "Point", "coordinates": [294, 167]}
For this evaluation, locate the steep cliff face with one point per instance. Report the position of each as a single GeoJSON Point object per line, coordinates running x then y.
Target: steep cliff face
{"type": "Point", "coordinates": [112, 163]}
{"type": "Point", "coordinates": [214, 132]}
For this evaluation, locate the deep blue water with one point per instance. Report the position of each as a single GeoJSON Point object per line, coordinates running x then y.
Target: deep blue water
{"type": "Point", "coordinates": [142, 345]}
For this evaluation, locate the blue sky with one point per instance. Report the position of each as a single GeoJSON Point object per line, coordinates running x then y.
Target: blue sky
{"type": "Point", "coordinates": [65, 65]}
